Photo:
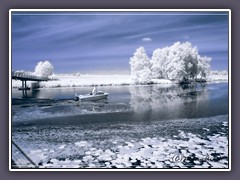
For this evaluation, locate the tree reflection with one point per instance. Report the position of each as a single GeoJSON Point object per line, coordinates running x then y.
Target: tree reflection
{"type": "Point", "coordinates": [169, 99]}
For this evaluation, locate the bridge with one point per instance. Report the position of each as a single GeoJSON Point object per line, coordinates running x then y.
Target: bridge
{"type": "Point", "coordinates": [24, 77]}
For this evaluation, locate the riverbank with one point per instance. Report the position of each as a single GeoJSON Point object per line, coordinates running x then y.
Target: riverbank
{"type": "Point", "coordinates": [83, 80]}
{"type": "Point", "coordinates": [162, 144]}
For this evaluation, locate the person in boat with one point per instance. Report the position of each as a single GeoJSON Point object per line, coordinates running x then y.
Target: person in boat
{"type": "Point", "coordinates": [93, 92]}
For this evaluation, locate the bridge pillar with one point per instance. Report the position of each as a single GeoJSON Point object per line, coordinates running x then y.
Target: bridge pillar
{"type": "Point", "coordinates": [24, 88]}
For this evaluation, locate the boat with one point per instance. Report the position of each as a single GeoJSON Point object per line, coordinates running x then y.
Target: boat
{"type": "Point", "coordinates": [94, 95]}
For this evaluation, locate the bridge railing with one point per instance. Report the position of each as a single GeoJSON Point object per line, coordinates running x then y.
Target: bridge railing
{"type": "Point", "coordinates": [21, 74]}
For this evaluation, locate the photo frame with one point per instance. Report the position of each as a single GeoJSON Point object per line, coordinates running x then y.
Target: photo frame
{"type": "Point", "coordinates": [134, 91]}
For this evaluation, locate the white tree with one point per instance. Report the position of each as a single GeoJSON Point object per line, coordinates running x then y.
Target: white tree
{"type": "Point", "coordinates": [179, 62]}
{"type": "Point", "coordinates": [142, 76]}
{"type": "Point", "coordinates": [140, 67]}
{"type": "Point", "coordinates": [158, 62]}
{"type": "Point", "coordinates": [204, 66]}
{"type": "Point", "coordinates": [44, 69]}
{"type": "Point", "coordinates": [174, 63]}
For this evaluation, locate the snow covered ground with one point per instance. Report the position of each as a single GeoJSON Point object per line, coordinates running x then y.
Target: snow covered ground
{"type": "Point", "coordinates": [218, 77]}
{"type": "Point", "coordinates": [65, 80]}
{"type": "Point", "coordinates": [182, 150]}
{"type": "Point", "coordinates": [70, 80]}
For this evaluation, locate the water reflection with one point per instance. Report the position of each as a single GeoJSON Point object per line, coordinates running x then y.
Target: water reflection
{"type": "Point", "coordinates": [25, 94]}
{"type": "Point", "coordinates": [145, 103]}
{"type": "Point", "coordinates": [171, 101]}
{"type": "Point", "coordinates": [35, 93]}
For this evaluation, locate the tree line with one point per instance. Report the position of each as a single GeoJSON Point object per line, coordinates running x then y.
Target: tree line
{"type": "Point", "coordinates": [179, 62]}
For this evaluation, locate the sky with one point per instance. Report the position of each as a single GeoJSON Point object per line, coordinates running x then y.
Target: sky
{"type": "Point", "coordinates": [103, 42]}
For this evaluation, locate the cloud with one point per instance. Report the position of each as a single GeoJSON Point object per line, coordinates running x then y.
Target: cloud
{"type": "Point", "coordinates": [146, 39]}
{"type": "Point", "coordinates": [89, 42]}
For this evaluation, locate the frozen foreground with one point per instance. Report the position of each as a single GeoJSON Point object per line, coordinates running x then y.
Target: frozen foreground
{"type": "Point", "coordinates": [156, 148]}
{"type": "Point", "coordinates": [69, 80]}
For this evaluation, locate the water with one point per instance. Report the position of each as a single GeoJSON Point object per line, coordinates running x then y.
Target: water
{"type": "Point", "coordinates": [154, 102]}
{"type": "Point", "coordinates": [50, 120]}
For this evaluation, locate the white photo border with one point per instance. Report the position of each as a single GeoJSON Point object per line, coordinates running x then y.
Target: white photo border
{"type": "Point", "coordinates": [129, 11]}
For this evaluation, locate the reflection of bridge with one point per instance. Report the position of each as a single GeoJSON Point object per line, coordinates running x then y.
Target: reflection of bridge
{"type": "Point", "coordinates": [24, 77]}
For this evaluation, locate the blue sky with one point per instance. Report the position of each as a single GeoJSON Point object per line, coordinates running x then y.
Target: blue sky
{"type": "Point", "coordinates": [103, 42]}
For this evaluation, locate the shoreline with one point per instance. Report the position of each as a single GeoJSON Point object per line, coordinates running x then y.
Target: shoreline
{"type": "Point", "coordinates": [91, 81]}
{"type": "Point", "coordinates": [104, 85]}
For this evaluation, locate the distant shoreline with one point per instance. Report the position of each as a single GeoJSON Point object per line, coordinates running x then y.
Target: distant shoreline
{"type": "Point", "coordinates": [86, 80]}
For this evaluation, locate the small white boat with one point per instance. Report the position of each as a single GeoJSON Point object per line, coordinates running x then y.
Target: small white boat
{"type": "Point", "coordinates": [92, 96]}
